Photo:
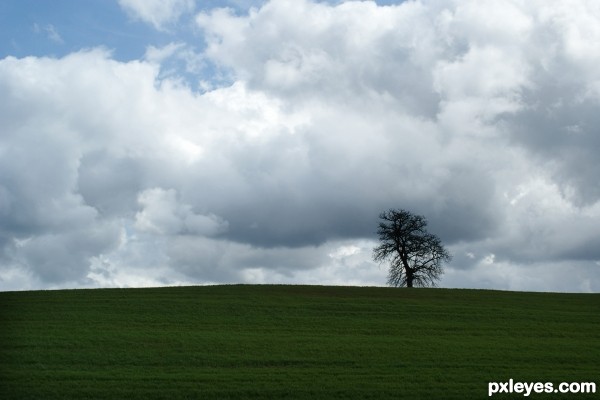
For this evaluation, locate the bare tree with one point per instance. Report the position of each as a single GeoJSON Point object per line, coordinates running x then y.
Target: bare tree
{"type": "Point", "coordinates": [415, 255]}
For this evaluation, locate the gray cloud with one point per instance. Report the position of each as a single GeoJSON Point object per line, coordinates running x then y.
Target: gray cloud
{"type": "Point", "coordinates": [561, 131]}
{"type": "Point", "coordinates": [109, 183]}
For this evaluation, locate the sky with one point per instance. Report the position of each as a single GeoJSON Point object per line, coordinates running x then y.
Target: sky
{"type": "Point", "coordinates": [184, 142]}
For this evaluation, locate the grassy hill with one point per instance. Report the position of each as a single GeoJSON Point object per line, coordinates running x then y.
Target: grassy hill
{"type": "Point", "coordinates": [293, 342]}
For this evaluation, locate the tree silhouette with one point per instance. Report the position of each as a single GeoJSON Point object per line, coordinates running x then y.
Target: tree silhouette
{"type": "Point", "coordinates": [415, 255]}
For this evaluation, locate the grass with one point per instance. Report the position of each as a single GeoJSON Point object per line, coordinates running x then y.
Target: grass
{"type": "Point", "coordinates": [292, 342]}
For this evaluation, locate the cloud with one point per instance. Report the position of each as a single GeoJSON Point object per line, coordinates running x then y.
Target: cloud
{"type": "Point", "coordinates": [51, 32]}
{"type": "Point", "coordinates": [124, 175]}
{"type": "Point", "coordinates": [162, 214]}
{"type": "Point", "coordinates": [337, 54]}
{"type": "Point", "coordinates": [158, 13]}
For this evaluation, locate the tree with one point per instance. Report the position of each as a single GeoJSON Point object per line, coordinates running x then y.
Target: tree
{"type": "Point", "coordinates": [415, 255]}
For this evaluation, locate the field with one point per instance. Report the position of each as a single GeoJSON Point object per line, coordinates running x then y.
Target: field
{"type": "Point", "coordinates": [292, 342]}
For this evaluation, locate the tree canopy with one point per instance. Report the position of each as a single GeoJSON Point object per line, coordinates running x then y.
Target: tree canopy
{"type": "Point", "coordinates": [415, 255]}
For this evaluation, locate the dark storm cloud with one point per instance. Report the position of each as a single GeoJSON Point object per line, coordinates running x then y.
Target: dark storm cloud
{"type": "Point", "coordinates": [110, 183]}
{"type": "Point", "coordinates": [562, 130]}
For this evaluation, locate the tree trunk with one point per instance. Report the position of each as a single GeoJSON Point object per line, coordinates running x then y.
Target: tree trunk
{"type": "Point", "coordinates": [409, 276]}
{"type": "Point", "coordinates": [407, 269]}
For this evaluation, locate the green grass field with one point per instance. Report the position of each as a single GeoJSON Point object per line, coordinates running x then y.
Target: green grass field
{"type": "Point", "coordinates": [292, 342]}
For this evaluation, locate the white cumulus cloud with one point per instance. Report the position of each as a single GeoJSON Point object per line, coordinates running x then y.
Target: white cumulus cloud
{"type": "Point", "coordinates": [158, 13]}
